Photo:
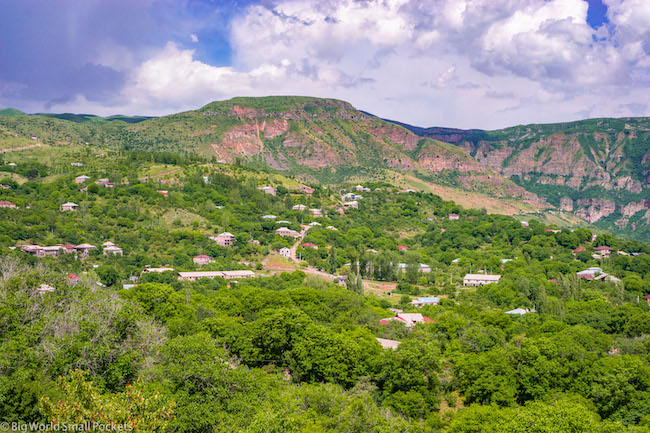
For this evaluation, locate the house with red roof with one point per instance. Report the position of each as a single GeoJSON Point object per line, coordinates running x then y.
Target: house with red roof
{"type": "Point", "coordinates": [402, 248]}
{"type": "Point", "coordinates": [202, 259]}
{"type": "Point", "coordinates": [408, 319]}
{"type": "Point", "coordinates": [309, 245]}
{"type": "Point", "coordinates": [7, 204]}
{"type": "Point", "coordinates": [603, 251]}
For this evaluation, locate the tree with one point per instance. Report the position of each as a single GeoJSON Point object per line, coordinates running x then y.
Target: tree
{"type": "Point", "coordinates": [354, 282]}
{"type": "Point", "coordinates": [108, 274]}
{"type": "Point", "coordinates": [132, 409]}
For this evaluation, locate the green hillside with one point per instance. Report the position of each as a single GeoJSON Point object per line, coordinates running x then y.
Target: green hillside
{"type": "Point", "coordinates": [596, 169]}
{"type": "Point", "coordinates": [290, 349]}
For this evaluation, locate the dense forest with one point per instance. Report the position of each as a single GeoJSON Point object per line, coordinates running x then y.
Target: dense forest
{"type": "Point", "coordinates": [93, 338]}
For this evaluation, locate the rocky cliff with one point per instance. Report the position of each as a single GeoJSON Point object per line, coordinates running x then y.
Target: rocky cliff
{"type": "Point", "coordinates": [598, 169]}
{"type": "Point", "coordinates": [324, 138]}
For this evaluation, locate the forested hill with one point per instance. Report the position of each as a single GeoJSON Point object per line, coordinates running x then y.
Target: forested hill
{"type": "Point", "coordinates": [323, 140]}
{"type": "Point", "coordinates": [358, 321]}
{"type": "Point", "coordinates": [598, 169]}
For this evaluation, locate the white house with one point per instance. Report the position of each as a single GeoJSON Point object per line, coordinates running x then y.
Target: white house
{"type": "Point", "coordinates": [480, 279]}
{"type": "Point", "coordinates": [431, 300]}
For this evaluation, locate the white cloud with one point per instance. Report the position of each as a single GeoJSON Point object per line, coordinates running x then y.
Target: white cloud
{"type": "Point", "coordinates": [194, 38]}
{"type": "Point", "coordinates": [479, 63]}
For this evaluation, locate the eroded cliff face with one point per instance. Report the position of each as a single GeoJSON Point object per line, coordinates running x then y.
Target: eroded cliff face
{"type": "Point", "coordinates": [592, 210]}
{"type": "Point", "coordinates": [321, 134]}
{"type": "Point", "coordinates": [582, 157]}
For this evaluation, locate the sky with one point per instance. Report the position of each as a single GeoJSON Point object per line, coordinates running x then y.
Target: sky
{"type": "Point", "coordinates": [483, 64]}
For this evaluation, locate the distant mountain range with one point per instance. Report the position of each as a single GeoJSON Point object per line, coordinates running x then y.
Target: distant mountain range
{"type": "Point", "coordinates": [598, 169]}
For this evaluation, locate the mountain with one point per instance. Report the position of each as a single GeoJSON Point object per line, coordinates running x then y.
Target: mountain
{"type": "Point", "coordinates": [324, 140]}
{"type": "Point", "coordinates": [598, 169]}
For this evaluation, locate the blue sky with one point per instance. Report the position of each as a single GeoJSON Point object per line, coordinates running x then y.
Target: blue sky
{"type": "Point", "coordinates": [460, 63]}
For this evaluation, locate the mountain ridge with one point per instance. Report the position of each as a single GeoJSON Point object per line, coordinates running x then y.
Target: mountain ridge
{"type": "Point", "coordinates": [597, 169]}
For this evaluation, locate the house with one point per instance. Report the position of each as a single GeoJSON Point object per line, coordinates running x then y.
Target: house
{"type": "Point", "coordinates": [100, 155]}
{"type": "Point", "coordinates": [81, 179]}
{"type": "Point", "coordinates": [284, 231]}
{"type": "Point", "coordinates": [590, 273]}
{"type": "Point", "coordinates": [331, 228]}
{"type": "Point", "coordinates": [316, 213]}
{"type": "Point", "coordinates": [4, 186]}
{"type": "Point", "coordinates": [224, 239]}
{"type": "Point", "coordinates": [306, 189]}
{"type": "Point", "coordinates": [452, 216]}
{"type": "Point", "coordinates": [285, 252]}
{"type": "Point", "coordinates": [31, 249]}
{"type": "Point", "coordinates": [164, 192]}
{"type": "Point", "coordinates": [283, 222]}
{"type": "Point", "coordinates": [402, 248]}
{"type": "Point", "coordinates": [603, 251]}
{"type": "Point", "coordinates": [314, 224]}
{"type": "Point", "coordinates": [269, 217]}
{"type": "Point", "coordinates": [77, 164]}
{"type": "Point", "coordinates": [12, 164]}
{"type": "Point", "coordinates": [50, 251]}
{"type": "Point", "coordinates": [309, 245]}
{"type": "Point", "coordinates": [202, 259]}
{"type": "Point", "coordinates": [67, 248]}
{"type": "Point", "coordinates": [114, 250]}
{"type": "Point", "coordinates": [193, 276]}
{"type": "Point", "coordinates": [351, 205]}
{"type": "Point", "coordinates": [69, 206]}
{"type": "Point", "coordinates": [578, 250]}
{"type": "Point", "coordinates": [480, 279]}
{"type": "Point", "coordinates": [455, 261]}
{"type": "Point", "coordinates": [105, 182]}
{"type": "Point", "coordinates": [84, 249]}
{"type": "Point", "coordinates": [300, 207]}
{"type": "Point", "coordinates": [518, 311]}
{"type": "Point", "coordinates": [7, 204]}
{"type": "Point", "coordinates": [524, 224]}
{"type": "Point", "coordinates": [431, 300]}
{"type": "Point", "coordinates": [408, 319]}
{"type": "Point", "coordinates": [388, 344]}
{"type": "Point", "coordinates": [73, 279]}
{"type": "Point", "coordinates": [608, 277]}
{"type": "Point", "coordinates": [267, 190]}
{"type": "Point", "coordinates": [231, 275]}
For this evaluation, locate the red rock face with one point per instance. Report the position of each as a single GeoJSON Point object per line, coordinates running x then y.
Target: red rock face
{"type": "Point", "coordinates": [592, 210]}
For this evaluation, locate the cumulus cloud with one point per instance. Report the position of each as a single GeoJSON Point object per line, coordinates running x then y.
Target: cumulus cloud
{"type": "Point", "coordinates": [478, 63]}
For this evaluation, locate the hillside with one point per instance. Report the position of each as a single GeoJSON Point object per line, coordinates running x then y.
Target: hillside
{"type": "Point", "coordinates": [323, 140]}
{"type": "Point", "coordinates": [403, 343]}
{"type": "Point", "coordinates": [598, 169]}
